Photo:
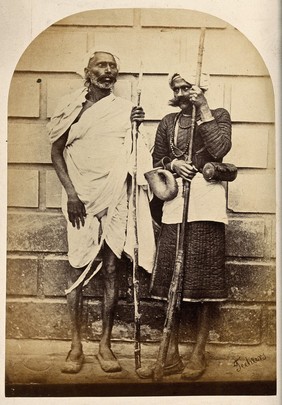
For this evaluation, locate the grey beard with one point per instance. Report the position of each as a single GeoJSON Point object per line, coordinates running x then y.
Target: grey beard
{"type": "Point", "coordinates": [103, 86]}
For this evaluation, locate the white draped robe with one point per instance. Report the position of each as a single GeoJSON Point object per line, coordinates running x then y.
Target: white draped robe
{"type": "Point", "coordinates": [98, 158]}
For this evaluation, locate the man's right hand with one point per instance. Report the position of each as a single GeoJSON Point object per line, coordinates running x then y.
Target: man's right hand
{"type": "Point", "coordinates": [76, 211]}
{"type": "Point", "coordinates": [184, 170]}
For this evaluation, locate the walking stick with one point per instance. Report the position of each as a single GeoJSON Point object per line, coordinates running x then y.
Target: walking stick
{"type": "Point", "coordinates": [137, 315]}
{"type": "Point", "coordinates": [175, 290]}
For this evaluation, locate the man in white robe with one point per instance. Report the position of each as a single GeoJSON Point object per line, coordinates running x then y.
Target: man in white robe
{"type": "Point", "coordinates": [91, 144]}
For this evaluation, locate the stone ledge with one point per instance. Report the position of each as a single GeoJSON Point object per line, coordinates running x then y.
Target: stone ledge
{"type": "Point", "coordinates": [39, 362]}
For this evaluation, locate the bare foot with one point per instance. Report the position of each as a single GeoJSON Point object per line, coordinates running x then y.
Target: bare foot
{"type": "Point", "coordinates": [197, 361]}
{"type": "Point", "coordinates": [108, 361]}
{"type": "Point", "coordinates": [74, 360]}
{"type": "Point", "coordinates": [75, 352]}
{"type": "Point", "coordinates": [106, 353]}
{"type": "Point", "coordinates": [195, 367]}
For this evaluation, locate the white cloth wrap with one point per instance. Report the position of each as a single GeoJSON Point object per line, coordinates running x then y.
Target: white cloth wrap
{"type": "Point", "coordinates": [65, 113]}
{"type": "Point", "coordinates": [96, 154]}
{"type": "Point", "coordinates": [207, 202]}
{"type": "Point", "coordinates": [98, 159]}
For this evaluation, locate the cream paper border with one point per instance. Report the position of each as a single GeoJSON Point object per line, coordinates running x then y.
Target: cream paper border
{"type": "Point", "coordinates": [22, 20]}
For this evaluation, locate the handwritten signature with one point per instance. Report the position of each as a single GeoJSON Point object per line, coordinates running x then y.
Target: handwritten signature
{"type": "Point", "coordinates": [241, 364]}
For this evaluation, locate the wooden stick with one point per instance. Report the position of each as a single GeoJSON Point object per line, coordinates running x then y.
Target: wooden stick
{"type": "Point", "coordinates": [175, 290]}
{"type": "Point", "coordinates": [135, 277]}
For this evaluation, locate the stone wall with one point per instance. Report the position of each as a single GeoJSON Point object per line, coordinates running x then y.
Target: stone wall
{"type": "Point", "coordinates": [37, 261]}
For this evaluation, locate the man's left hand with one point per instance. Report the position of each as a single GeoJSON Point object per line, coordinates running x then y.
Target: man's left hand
{"type": "Point", "coordinates": [196, 96]}
{"type": "Point", "coordinates": [137, 115]}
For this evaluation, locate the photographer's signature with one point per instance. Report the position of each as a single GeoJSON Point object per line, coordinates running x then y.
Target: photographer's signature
{"type": "Point", "coordinates": [246, 362]}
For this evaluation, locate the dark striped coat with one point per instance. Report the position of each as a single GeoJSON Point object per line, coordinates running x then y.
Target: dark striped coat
{"type": "Point", "coordinates": [212, 139]}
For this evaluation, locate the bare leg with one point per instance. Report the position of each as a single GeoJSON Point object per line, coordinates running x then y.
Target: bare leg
{"type": "Point", "coordinates": [109, 302]}
{"type": "Point", "coordinates": [75, 304]}
{"type": "Point", "coordinates": [75, 356]}
{"type": "Point", "coordinates": [197, 362]}
{"type": "Point", "coordinates": [204, 320]}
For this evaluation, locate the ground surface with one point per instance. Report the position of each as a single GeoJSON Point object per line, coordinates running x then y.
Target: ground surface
{"type": "Point", "coordinates": [33, 367]}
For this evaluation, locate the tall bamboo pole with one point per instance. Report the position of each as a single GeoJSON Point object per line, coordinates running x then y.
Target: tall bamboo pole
{"type": "Point", "coordinates": [135, 276]}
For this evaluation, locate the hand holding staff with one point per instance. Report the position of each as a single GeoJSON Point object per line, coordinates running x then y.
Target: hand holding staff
{"type": "Point", "coordinates": [175, 291]}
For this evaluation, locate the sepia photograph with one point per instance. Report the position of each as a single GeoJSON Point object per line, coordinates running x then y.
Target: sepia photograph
{"type": "Point", "coordinates": [141, 256]}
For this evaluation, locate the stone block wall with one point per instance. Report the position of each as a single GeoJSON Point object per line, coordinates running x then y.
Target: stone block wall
{"type": "Point", "coordinates": [36, 259]}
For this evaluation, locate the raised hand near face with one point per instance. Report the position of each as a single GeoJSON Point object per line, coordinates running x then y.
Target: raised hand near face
{"type": "Point", "coordinates": [197, 97]}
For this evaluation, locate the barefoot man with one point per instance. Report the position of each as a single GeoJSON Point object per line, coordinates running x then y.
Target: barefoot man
{"type": "Point", "coordinates": [90, 134]}
{"type": "Point", "coordinates": [204, 274]}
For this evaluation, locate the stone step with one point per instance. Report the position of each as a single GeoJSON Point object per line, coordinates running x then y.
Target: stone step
{"type": "Point", "coordinates": [39, 362]}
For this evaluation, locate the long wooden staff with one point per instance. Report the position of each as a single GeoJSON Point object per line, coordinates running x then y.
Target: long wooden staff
{"type": "Point", "coordinates": [175, 290]}
{"type": "Point", "coordinates": [137, 315]}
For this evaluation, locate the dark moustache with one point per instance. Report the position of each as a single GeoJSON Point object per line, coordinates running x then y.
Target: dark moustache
{"type": "Point", "coordinates": [247, 361]}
